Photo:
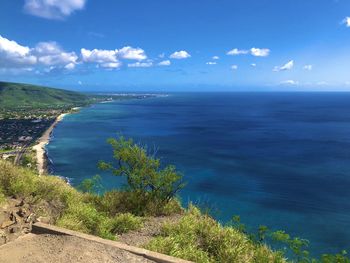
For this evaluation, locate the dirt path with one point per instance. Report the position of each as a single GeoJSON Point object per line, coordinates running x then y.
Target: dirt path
{"type": "Point", "coordinates": [46, 248]}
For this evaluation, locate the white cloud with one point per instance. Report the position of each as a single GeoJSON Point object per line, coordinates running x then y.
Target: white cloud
{"type": "Point", "coordinates": [308, 67]}
{"type": "Point", "coordinates": [289, 82]}
{"type": "Point", "coordinates": [161, 55]}
{"type": "Point", "coordinates": [99, 55]}
{"type": "Point", "coordinates": [211, 63]}
{"type": "Point", "coordinates": [111, 65]}
{"type": "Point", "coordinates": [180, 55]}
{"type": "Point", "coordinates": [53, 9]}
{"type": "Point", "coordinates": [289, 65]}
{"type": "Point", "coordinates": [80, 82]}
{"type": "Point", "coordinates": [13, 55]}
{"type": "Point", "coordinates": [259, 52]}
{"type": "Point", "coordinates": [253, 65]}
{"type": "Point", "coordinates": [346, 21]}
{"type": "Point", "coordinates": [50, 53]}
{"type": "Point", "coordinates": [234, 67]}
{"type": "Point", "coordinates": [140, 65]}
{"type": "Point", "coordinates": [236, 51]}
{"type": "Point", "coordinates": [70, 66]}
{"type": "Point", "coordinates": [164, 63]}
{"type": "Point", "coordinates": [215, 57]}
{"type": "Point", "coordinates": [132, 53]}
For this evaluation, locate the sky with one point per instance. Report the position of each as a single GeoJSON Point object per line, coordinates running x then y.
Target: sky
{"type": "Point", "coordinates": [178, 45]}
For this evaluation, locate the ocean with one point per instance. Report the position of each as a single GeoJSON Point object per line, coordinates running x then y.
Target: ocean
{"type": "Point", "coordinates": [275, 159]}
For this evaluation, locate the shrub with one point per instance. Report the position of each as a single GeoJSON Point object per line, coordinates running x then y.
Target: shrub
{"type": "Point", "coordinates": [149, 183]}
{"type": "Point", "coordinates": [124, 223]}
{"type": "Point", "coordinates": [85, 218]}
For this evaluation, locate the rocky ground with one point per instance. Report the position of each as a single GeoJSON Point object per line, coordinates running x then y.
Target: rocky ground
{"type": "Point", "coordinates": [18, 244]}
{"type": "Point", "coordinates": [16, 219]}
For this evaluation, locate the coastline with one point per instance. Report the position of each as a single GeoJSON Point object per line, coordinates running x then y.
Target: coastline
{"type": "Point", "coordinates": [41, 157]}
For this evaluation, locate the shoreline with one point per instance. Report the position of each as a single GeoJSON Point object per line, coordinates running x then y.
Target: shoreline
{"type": "Point", "coordinates": [39, 147]}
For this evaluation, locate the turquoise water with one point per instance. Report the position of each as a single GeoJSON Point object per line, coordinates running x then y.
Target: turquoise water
{"type": "Point", "coordinates": [278, 159]}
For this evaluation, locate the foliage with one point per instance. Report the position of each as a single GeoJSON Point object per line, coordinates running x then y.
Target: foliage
{"type": "Point", "coordinates": [14, 95]}
{"type": "Point", "coordinates": [74, 210]}
{"type": "Point", "coordinates": [115, 202]}
{"type": "Point", "coordinates": [200, 238]}
{"type": "Point", "coordinates": [123, 223]}
{"type": "Point", "coordinates": [149, 183]}
{"type": "Point", "coordinates": [91, 185]}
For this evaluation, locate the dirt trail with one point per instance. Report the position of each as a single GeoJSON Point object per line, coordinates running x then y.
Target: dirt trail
{"type": "Point", "coordinates": [47, 248]}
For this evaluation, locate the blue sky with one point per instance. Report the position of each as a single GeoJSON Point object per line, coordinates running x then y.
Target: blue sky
{"type": "Point", "coordinates": [177, 45]}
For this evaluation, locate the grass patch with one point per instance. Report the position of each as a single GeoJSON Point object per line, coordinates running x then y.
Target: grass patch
{"type": "Point", "coordinates": [124, 223]}
{"type": "Point", "coordinates": [50, 195]}
{"type": "Point", "coordinates": [200, 238]}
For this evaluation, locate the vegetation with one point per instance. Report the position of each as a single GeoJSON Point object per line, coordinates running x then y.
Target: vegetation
{"type": "Point", "coordinates": [51, 196]}
{"type": "Point", "coordinates": [146, 180]}
{"type": "Point", "coordinates": [13, 95]}
{"type": "Point", "coordinates": [151, 191]}
{"type": "Point", "coordinates": [200, 238]}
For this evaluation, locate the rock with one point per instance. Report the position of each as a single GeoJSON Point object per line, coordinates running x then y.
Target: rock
{"type": "Point", "coordinates": [31, 218]}
{"type": "Point", "coordinates": [14, 229]}
{"type": "Point", "coordinates": [22, 212]}
{"type": "Point", "coordinates": [7, 223]}
{"type": "Point", "coordinates": [43, 219]}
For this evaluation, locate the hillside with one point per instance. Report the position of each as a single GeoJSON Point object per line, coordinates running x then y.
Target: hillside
{"type": "Point", "coordinates": [14, 95]}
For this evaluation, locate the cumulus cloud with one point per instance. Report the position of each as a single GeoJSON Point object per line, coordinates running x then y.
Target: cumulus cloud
{"type": "Point", "coordinates": [215, 58]}
{"type": "Point", "coordinates": [180, 55]}
{"type": "Point", "coordinates": [99, 55]}
{"type": "Point", "coordinates": [308, 67]}
{"type": "Point", "coordinates": [346, 21]}
{"type": "Point", "coordinates": [253, 65]}
{"type": "Point", "coordinates": [111, 65]}
{"type": "Point", "coordinates": [140, 65]}
{"type": "Point", "coordinates": [289, 82]}
{"type": "Point", "coordinates": [256, 52]}
{"type": "Point", "coordinates": [211, 63]}
{"type": "Point", "coordinates": [132, 53]}
{"type": "Point", "coordinates": [50, 53]}
{"type": "Point", "coordinates": [164, 63]}
{"type": "Point", "coordinates": [234, 67]}
{"type": "Point", "coordinates": [14, 55]}
{"type": "Point", "coordinates": [259, 52]}
{"type": "Point", "coordinates": [53, 9]}
{"type": "Point", "coordinates": [70, 66]}
{"type": "Point", "coordinates": [289, 65]}
{"type": "Point", "coordinates": [236, 52]}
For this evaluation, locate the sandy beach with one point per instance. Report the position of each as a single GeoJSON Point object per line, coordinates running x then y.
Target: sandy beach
{"type": "Point", "coordinates": [42, 142]}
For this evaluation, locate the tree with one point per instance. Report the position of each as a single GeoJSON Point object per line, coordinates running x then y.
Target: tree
{"type": "Point", "coordinates": [143, 171]}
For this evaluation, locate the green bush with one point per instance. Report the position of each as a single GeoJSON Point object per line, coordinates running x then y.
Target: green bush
{"type": "Point", "coordinates": [200, 238]}
{"type": "Point", "coordinates": [150, 184]}
{"type": "Point", "coordinates": [124, 223]}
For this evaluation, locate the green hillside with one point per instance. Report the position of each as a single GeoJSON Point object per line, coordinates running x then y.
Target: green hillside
{"type": "Point", "coordinates": [18, 95]}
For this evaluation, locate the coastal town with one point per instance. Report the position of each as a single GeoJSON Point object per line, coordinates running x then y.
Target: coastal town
{"type": "Point", "coordinates": [26, 129]}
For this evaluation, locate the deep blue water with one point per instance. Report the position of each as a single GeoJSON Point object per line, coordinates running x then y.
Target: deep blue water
{"type": "Point", "coordinates": [278, 159]}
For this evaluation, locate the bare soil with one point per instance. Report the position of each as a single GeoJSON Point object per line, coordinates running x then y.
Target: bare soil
{"type": "Point", "coordinates": [47, 248]}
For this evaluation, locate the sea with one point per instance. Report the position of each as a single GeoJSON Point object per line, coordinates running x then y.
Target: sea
{"type": "Point", "coordinates": [275, 159]}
